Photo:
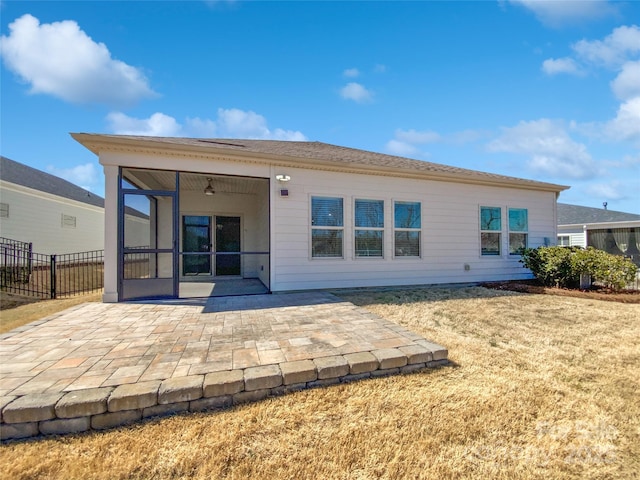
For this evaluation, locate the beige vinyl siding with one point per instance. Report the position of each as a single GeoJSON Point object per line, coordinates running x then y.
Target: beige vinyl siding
{"type": "Point", "coordinates": [450, 232]}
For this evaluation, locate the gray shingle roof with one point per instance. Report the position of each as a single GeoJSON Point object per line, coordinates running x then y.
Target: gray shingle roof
{"type": "Point", "coordinates": [576, 215]}
{"type": "Point", "coordinates": [20, 174]}
{"type": "Point", "coordinates": [323, 153]}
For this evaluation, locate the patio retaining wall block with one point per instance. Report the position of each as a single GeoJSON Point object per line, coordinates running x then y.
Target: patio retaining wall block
{"type": "Point", "coordinates": [180, 389]}
{"type": "Point", "coordinates": [14, 431]}
{"type": "Point", "coordinates": [414, 367]}
{"type": "Point", "coordinates": [108, 407]}
{"type": "Point", "coordinates": [166, 409]}
{"type": "Point", "coordinates": [115, 419]}
{"type": "Point", "coordinates": [324, 382]}
{"type": "Point", "coordinates": [331, 367]}
{"type": "Point", "coordinates": [83, 403]}
{"type": "Point", "coordinates": [211, 403]}
{"type": "Point", "coordinates": [416, 354]}
{"type": "Point", "coordinates": [438, 363]}
{"type": "Point", "coordinates": [361, 362]}
{"type": "Point", "coordinates": [31, 408]}
{"type": "Point", "coordinates": [259, 378]}
{"type": "Point", "coordinates": [133, 396]}
{"type": "Point", "coordinates": [252, 396]}
{"type": "Point", "coordinates": [300, 371]}
{"type": "Point", "coordinates": [60, 426]}
{"type": "Point", "coordinates": [355, 377]}
{"type": "Point", "coordinates": [385, 372]}
{"type": "Point", "coordinates": [228, 382]}
{"type": "Point", "coordinates": [4, 401]}
{"type": "Point", "coordinates": [438, 351]}
{"type": "Point", "coordinates": [390, 358]}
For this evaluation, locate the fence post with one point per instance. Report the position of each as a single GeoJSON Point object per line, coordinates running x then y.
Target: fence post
{"type": "Point", "coordinates": [53, 276]}
{"type": "Point", "coordinates": [30, 259]}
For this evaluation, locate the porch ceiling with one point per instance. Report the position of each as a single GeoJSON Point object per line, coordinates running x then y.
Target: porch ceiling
{"type": "Point", "coordinates": [164, 180]}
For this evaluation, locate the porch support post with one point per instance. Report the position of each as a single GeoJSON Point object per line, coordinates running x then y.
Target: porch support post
{"type": "Point", "coordinates": [111, 260]}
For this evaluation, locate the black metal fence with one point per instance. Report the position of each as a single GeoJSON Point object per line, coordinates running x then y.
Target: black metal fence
{"type": "Point", "coordinates": [25, 272]}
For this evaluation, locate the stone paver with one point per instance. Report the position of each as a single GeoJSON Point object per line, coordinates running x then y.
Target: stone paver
{"type": "Point", "coordinates": [98, 366]}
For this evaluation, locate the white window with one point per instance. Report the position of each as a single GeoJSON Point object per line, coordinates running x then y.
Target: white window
{"type": "Point", "coordinates": [4, 210]}
{"type": "Point", "coordinates": [518, 230]}
{"type": "Point", "coordinates": [68, 221]}
{"type": "Point", "coordinates": [369, 228]}
{"type": "Point", "coordinates": [407, 223]}
{"type": "Point", "coordinates": [564, 241]}
{"type": "Point", "coordinates": [327, 227]}
{"type": "Point", "coordinates": [490, 231]}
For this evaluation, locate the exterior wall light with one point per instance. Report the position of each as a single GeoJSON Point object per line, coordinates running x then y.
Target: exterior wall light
{"type": "Point", "coordinates": [209, 188]}
{"type": "Point", "coordinates": [283, 178]}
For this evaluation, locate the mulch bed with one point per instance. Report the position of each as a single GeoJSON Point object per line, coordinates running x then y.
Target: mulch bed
{"type": "Point", "coordinates": [594, 293]}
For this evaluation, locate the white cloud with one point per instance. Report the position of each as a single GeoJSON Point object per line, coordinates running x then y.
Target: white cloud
{"type": "Point", "coordinates": [556, 13]}
{"type": "Point", "coordinates": [356, 92]}
{"type": "Point", "coordinates": [157, 125]}
{"type": "Point", "coordinates": [247, 124]}
{"type": "Point", "coordinates": [404, 149]}
{"type": "Point", "coordinates": [231, 123]}
{"type": "Point", "coordinates": [626, 124]}
{"type": "Point", "coordinates": [87, 175]}
{"type": "Point", "coordinates": [380, 68]}
{"type": "Point", "coordinates": [199, 127]}
{"type": "Point", "coordinates": [416, 137]}
{"type": "Point", "coordinates": [627, 84]}
{"type": "Point", "coordinates": [614, 190]}
{"type": "Point", "coordinates": [554, 66]}
{"type": "Point", "coordinates": [550, 149]}
{"type": "Point", "coordinates": [614, 50]}
{"type": "Point", "coordinates": [60, 59]}
{"type": "Point", "coordinates": [465, 136]}
{"type": "Point", "coordinates": [351, 72]}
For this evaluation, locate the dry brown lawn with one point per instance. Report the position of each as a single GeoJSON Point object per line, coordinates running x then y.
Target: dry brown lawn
{"type": "Point", "coordinates": [18, 310]}
{"type": "Point", "coordinates": [541, 387]}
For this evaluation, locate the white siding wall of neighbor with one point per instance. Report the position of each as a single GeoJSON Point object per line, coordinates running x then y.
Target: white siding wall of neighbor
{"type": "Point", "coordinates": [37, 217]}
{"type": "Point", "coordinates": [577, 235]}
{"type": "Point", "coordinates": [450, 231]}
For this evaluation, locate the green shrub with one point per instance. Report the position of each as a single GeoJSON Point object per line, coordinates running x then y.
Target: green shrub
{"type": "Point", "coordinates": [551, 266]}
{"type": "Point", "coordinates": [562, 266]}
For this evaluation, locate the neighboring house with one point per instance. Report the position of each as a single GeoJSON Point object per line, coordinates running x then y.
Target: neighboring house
{"type": "Point", "coordinates": [55, 215]}
{"type": "Point", "coordinates": [608, 230]}
{"type": "Point", "coordinates": [308, 215]}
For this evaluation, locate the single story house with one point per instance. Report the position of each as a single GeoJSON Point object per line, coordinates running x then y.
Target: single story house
{"type": "Point", "coordinates": [308, 215]}
{"type": "Point", "coordinates": [54, 215]}
{"type": "Point", "coordinates": [614, 232]}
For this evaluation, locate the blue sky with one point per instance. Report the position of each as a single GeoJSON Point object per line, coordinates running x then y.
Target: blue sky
{"type": "Point", "coordinates": [541, 90]}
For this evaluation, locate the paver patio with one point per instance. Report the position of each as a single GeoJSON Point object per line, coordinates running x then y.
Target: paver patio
{"type": "Point", "coordinates": [101, 365]}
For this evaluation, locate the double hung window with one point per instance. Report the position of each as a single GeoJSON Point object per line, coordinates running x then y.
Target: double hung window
{"type": "Point", "coordinates": [518, 230]}
{"type": "Point", "coordinates": [490, 231]}
{"type": "Point", "coordinates": [407, 218]}
{"type": "Point", "coordinates": [369, 228]}
{"type": "Point", "coordinates": [327, 227]}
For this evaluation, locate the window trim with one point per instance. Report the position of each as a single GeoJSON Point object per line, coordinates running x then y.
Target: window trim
{"type": "Point", "coordinates": [374, 229]}
{"type": "Point", "coordinates": [313, 227]}
{"type": "Point", "coordinates": [404, 229]}
{"type": "Point", "coordinates": [509, 231]}
{"type": "Point", "coordinates": [499, 232]}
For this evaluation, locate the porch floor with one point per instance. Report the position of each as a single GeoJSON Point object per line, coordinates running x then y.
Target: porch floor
{"type": "Point", "coordinates": [222, 288]}
{"type": "Point", "coordinates": [102, 365]}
